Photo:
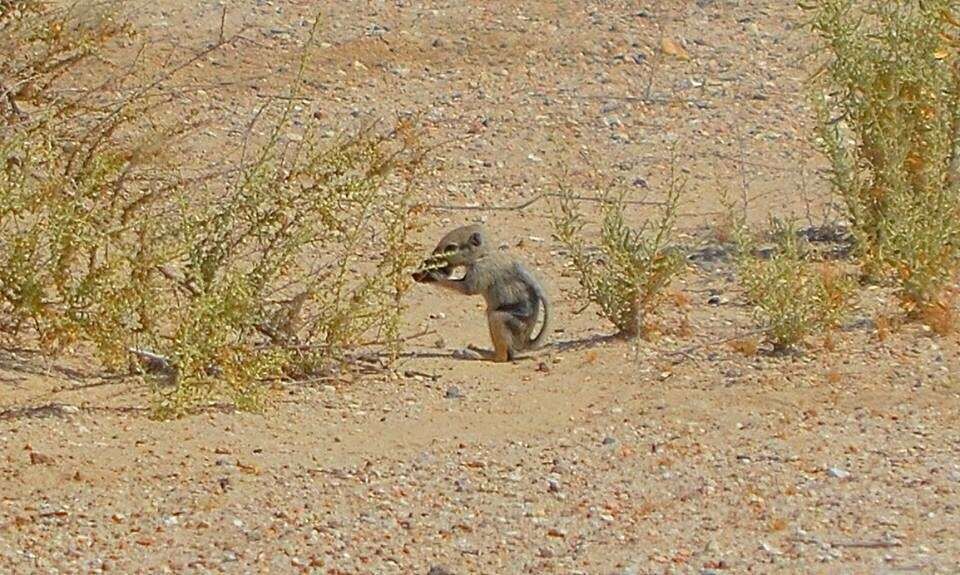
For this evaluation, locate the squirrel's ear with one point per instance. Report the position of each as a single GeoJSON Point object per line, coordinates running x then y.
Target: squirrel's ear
{"type": "Point", "coordinates": [475, 238]}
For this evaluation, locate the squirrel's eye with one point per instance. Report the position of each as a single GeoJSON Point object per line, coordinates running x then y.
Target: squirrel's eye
{"type": "Point", "coordinates": [450, 249]}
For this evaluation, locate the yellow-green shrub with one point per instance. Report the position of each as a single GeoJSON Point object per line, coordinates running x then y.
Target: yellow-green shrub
{"type": "Point", "coordinates": [888, 97]}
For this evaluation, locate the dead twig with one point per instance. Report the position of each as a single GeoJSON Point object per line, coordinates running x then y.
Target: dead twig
{"type": "Point", "coordinates": [741, 168]}
{"type": "Point", "coordinates": [172, 276]}
{"type": "Point", "coordinates": [11, 102]}
{"type": "Point", "coordinates": [104, 125]}
{"type": "Point", "coordinates": [876, 544]}
{"type": "Point", "coordinates": [404, 339]}
{"type": "Point", "coordinates": [223, 18]}
{"type": "Point", "coordinates": [527, 203]}
{"type": "Point", "coordinates": [887, 544]}
{"type": "Point", "coordinates": [415, 373]}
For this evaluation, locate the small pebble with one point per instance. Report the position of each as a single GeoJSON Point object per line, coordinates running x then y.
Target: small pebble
{"type": "Point", "coordinates": [838, 473]}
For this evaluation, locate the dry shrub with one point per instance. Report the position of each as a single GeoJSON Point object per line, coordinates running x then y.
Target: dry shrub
{"type": "Point", "coordinates": [885, 325]}
{"type": "Point", "coordinates": [628, 274]}
{"type": "Point", "coordinates": [829, 342]}
{"type": "Point", "coordinates": [745, 346]}
{"type": "Point", "coordinates": [681, 300]}
{"type": "Point", "coordinates": [778, 524]}
{"type": "Point", "coordinates": [889, 119]}
{"type": "Point", "coordinates": [941, 315]}
{"type": "Point", "coordinates": [287, 265]}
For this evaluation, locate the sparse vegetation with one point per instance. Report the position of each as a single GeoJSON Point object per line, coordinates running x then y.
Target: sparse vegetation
{"type": "Point", "coordinates": [291, 272]}
{"type": "Point", "coordinates": [889, 119]}
{"type": "Point", "coordinates": [628, 274]}
{"type": "Point", "coordinates": [793, 298]}
{"type": "Point", "coordinates": [281, 267]}
{"type": "Point", "coordinates": [271, 273]}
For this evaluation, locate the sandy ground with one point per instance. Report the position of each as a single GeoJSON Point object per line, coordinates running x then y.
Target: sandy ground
{"type": "Point", "coordinates": [595, 456]}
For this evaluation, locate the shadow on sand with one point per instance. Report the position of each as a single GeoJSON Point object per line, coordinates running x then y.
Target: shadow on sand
{"type": "Point", "coordinates": [565, 345]}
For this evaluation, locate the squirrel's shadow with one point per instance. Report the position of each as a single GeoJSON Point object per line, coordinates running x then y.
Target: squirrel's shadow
{"type": "Point", "coordinates": [565, 345]}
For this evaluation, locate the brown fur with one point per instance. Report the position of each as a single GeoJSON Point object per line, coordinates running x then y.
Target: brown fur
{"type": "Point", "coordinates": [513, 296]}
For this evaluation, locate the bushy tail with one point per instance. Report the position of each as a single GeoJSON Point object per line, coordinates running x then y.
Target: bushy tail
{"type": "Point", "coordinates": [537, 341]}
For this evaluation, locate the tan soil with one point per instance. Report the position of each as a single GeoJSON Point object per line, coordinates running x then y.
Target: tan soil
{"type": "Point", "coordinates": [595, 456]}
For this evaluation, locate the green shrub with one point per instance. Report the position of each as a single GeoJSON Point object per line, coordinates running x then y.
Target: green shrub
{"type": "Point", "coordinates": [888, 97]}
{"type": "Point", "coordinates": [627, 275]}
{"type": "Point", "coordinates": [792, 297]}
{"type": "Point", "coordinates": [284, 267]}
